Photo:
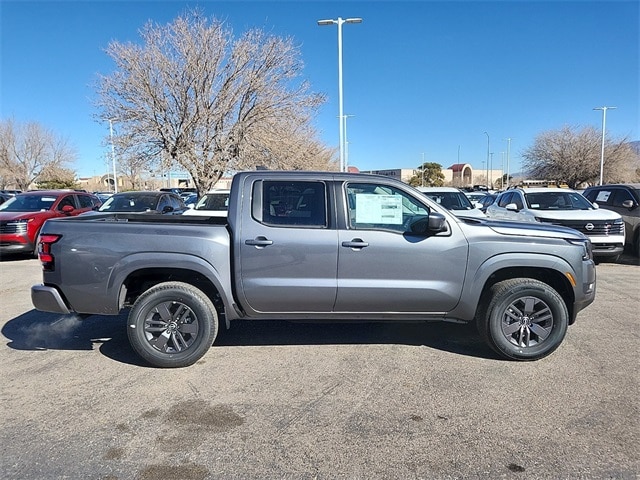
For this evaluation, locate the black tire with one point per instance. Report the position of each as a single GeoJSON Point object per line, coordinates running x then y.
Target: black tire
{"type": "Point", "coordinates": [523, 319]}
{"type": "Point", "coordinates": [172, 324]}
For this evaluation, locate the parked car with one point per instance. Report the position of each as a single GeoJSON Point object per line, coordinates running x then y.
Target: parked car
{"type": "Point", "coordinates": [11, 193]}
{"type": "Point", "coordinates": [452, 199]}
{"type": "Point", "coordinates": [214, 203]}
{"type": "Point", "coordinates": [180, 191]}
{"type": "Point", "coordinates": [623, 199]}
{"type": "Point", "coordinates": [144, 202]}
{"type": "Point", "coordinates": [190, 199]}
{"type": "Point", "coordinates": [476, 197]}
{"type": "Point", "coordinates": [487, 200]}
{"type": "Point", "coordinates": [563, 206]}
{"type": "Point", "coordinates": [22, 216]}
{"type": "Point", "coordinates": [103, 196]}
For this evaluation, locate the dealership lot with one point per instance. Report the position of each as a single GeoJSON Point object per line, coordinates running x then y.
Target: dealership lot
{"type": "Point", "coordinates": [282, 400]}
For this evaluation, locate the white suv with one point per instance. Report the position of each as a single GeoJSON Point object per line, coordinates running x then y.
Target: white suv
{"type": "Point", "coordinates": [562, 206]}
{"type": "Point", "coordinates": [453, 200]}
{"type": "Point", "coordinates": [214, 203]}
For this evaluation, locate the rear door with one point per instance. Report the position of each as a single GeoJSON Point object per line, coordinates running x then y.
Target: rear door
{"type": "Point", "coordinates": [287, 246]}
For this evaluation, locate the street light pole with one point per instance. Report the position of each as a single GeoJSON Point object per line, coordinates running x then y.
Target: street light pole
{"type": "Point", "coordinates": [339, 21]}
{"type": "Point", "coordinates": [113, 157]}
{"type": "Point", "coordinates": [422, 168]}
{"type": "Point", "coordinates": [487, 178]}
{"type": "Point", "coordinates": [491, 170]}
{"type": "Point", "coordinates": [346, 144]}
{"type": "Point", "coordinates": [604, 122]}
{"type": "Point", "coordinates": [508, 155]}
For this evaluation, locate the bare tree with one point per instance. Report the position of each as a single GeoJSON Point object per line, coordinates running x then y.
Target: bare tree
{"type": "Point", "coordinates": [28, 150]}
{"type": "Point", "coordinates": [573, 156]}
{"type": "Point", "coordinates": [209, 102]}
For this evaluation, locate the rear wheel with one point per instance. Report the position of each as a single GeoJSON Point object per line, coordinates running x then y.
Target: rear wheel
{"type": "Point", "coordinates": [523, 319]}
{"type": "Point", "coordinates": [172, 324]}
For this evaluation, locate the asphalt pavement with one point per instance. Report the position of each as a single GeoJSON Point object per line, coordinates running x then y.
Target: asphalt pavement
{"type": "Point", "coordinates": [307, 401]}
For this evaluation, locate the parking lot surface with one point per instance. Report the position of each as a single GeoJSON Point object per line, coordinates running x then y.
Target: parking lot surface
{"type": "Point", "coordinates": [288, 400]}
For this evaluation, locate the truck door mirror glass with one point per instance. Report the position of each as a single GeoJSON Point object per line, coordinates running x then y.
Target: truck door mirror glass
{"type": "Point", "coordinates": [437, 222]}
{"type": "Point", "coordinates": [428, 224]}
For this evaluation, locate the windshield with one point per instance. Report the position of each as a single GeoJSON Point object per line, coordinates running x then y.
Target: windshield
{"type": "Point", "coordinates": [28, 203]}
{"type": "Point", "coordinates": [129, 203]}
{"type": "Point", "coordinates": [557, 201]}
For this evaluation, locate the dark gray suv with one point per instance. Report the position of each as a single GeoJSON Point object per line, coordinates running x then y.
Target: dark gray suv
{"type": "Point", "coordinates": [625, 200]}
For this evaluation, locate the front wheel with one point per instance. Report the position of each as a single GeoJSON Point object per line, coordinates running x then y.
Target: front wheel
{"type": "Point", "coordinates": [172, 324]}
{"type": "Point", "coordinates": [523, 319]}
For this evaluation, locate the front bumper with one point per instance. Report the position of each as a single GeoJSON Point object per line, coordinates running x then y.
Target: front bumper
{"type": "Point", "coordinates": [48, 299]}
{"type": "Point", "coordinates": [607, 249]}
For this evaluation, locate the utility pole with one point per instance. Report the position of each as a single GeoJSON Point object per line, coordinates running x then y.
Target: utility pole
{"type": "Point", "coordinates": [604, 122]}
{"type": "Point", "coordinates": [487, 179]}
{"type": "Point", "coordinates": [508, 154]}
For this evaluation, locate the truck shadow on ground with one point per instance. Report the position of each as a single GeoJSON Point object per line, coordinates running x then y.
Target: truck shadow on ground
{"type": "Point", "coordinates": [35, 330]}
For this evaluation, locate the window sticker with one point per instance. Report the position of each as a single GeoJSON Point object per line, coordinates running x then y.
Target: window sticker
{"type": "Point", "coordinates": [385, 209]}
{"type": "Point", "coordinates": [603, 196]}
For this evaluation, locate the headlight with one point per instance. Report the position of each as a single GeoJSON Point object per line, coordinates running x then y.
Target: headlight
{"type": "Point", "coordinates": [586, 248]}
{"type": "Point", "coordinates": [18, 226]}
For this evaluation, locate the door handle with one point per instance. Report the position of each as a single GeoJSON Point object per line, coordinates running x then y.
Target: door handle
{"type": "Point", "coordinates": [259, 242]}
{"type": "Point", "coordinates": [355, 243]}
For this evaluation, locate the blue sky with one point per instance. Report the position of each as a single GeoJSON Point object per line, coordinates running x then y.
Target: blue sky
{"type": "Point", "coordinates": [420, 77]}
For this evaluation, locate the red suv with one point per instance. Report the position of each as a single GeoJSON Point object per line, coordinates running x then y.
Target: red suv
{"type": "Point", "coordinates": [22, 216]}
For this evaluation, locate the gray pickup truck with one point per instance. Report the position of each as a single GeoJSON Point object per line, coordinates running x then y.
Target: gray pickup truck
{"type": "Point", "coordinates": [319, 246]}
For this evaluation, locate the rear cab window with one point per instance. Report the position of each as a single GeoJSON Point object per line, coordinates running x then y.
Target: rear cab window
{"type": "Point", "coordinates": [290, 203]}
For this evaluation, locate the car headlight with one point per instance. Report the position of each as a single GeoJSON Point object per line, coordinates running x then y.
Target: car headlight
{"type": "Point", "coordinates": [19, 226]}
{"type": "Point", "coordinates": [586, 248]}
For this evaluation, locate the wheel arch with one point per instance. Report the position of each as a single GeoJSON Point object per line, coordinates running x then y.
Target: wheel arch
{"type": "Point", "coordinates": [548, 269]}
{"type": "Point", "coordinates": [554, 278]}
{"type": "Point", "coordinates": [133, 276]}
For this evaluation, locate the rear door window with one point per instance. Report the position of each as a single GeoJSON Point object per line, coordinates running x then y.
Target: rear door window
{"type": "Point", "coordinates": [295, 204]}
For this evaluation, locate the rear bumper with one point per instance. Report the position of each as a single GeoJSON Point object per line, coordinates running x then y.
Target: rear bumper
{"type": "Point", "coordinates": [48, 299]}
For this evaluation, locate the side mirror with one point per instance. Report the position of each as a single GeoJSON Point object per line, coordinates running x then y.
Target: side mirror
{"type": "Point", "coordinates": [425, 225]}
{"type": "Point", "coordinates": [629, 204]}
{"type": "Point", "coordinates": [67, 209]}
{"type": "Point", "coordinates": [595, 205]}
{"type": "Point", "coordinates": [167, 209]}
{"type": "Point", "coordinates": [512, 207]}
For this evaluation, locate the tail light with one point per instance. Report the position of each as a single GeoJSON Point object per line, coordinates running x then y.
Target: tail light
{"type": "Point", "coordinates": [44, 250]}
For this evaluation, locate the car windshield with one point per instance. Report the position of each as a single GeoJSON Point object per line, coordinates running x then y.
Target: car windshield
{"type": "Point", "coordinates": [451, 200]}
{"type": "Point", "coordinates": [129, 203]}
{"type": "Point", "coordinates": [28, 203]}
{"type": "Point", "coordinates": [214, 201]}
{"type": "Point", "coordinates": [557, 201]}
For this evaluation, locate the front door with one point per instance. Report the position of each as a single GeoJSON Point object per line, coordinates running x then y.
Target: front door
{"type": "Point", "coordinates": [383, 268]}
